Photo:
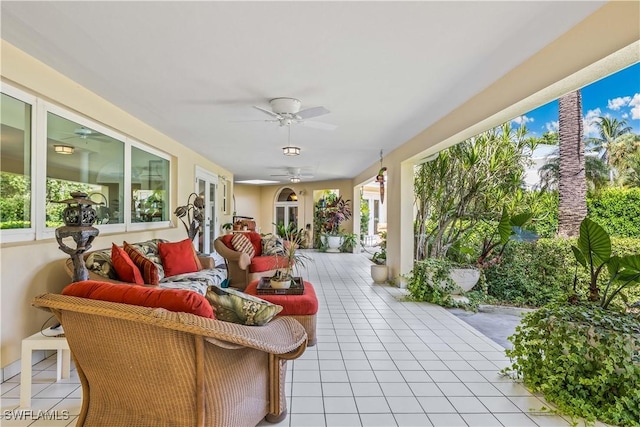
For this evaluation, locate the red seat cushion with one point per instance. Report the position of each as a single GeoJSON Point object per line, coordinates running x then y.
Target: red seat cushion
{"type": "Point", "coordinates": [266, 263]}
{"type": "Point", "coordinates": [178, 258]}
{"type": "Point", "coordinates": [125, 268]}
{"type": "Point", "coordinates": [178, 300]}
{"type": "Point", "coordinates": [292, 305]}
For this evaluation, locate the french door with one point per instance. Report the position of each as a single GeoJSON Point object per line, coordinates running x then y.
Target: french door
{"type": "Point", "coordinates": [206, 187]}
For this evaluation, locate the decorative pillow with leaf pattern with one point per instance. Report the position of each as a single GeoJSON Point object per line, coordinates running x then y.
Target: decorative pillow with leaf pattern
{"type": "Point", "coordinates": [99, 262]}
{"type": "Point", "coordinates": [272, 245]}
{"type": "Point", "coordinates": [234, 306]}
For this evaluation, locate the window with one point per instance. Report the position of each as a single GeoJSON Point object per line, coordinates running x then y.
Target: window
{"type": "Point", "coordinates": [80, 158]}
{"type": "Point", "coordinates": [129, 179]}
{"type": "Point", "coordinates": [149, 186]}
{"type": "Point", "coordinates": [15, 164]}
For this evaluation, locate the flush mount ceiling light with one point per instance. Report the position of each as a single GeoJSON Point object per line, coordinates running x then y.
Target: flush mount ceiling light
{"type": "Point", "coordinates": [63, 149]}
{"type": "Point", "coordinates": [289, 150]}
{"type": "Point", "coordinates": [294, 179]}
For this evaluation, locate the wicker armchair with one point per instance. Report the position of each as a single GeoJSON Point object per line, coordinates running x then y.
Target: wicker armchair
{"type": "Point", "coordinates": [142, 366]}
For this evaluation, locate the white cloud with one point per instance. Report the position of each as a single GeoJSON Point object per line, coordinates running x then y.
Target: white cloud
{"type": "Point", "coordinates": [552, 126]}
{"type": "Point", "coordinates": [590, 122]}
{"type": "Point", "coordinates": [635, 107]}
{"type": "Point", "coordinates": [522, 120]}
{"type": "Point", "coordinates": [625, 116]}
{"type": "Point", "coordinates": [617, 103]}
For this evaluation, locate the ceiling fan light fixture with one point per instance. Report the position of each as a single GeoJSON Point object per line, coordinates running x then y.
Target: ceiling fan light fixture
{"type": "Point", "coordinates": [63, 149]}
{"type": "Point", "coordinates": [294, 179]}
{"type": "Point", "coordinates": [291, 151]}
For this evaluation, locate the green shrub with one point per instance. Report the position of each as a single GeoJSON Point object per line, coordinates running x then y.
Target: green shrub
{"type": "Point", "coordinates": [423, 282]}
{"type": "Point", "coordinates": [584, 359]}
{"type": "Point", "coordinates": [617, 210]}
{"type": "Point", "coordinates": [532, 274]}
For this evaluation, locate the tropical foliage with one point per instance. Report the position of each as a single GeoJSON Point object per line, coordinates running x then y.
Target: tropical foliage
{"type": "Point", "coordinates": [466, 185]}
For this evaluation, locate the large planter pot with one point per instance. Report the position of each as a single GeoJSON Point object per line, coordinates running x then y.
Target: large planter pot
{"type": "Point", "coordinates": [465, 278]}
{"type": "Point", "coordinates": [333, 243]}
{"type": "Point", "coordinates": [379, 273]}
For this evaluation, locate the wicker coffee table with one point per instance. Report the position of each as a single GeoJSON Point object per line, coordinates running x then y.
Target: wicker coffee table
{"type": "Point", "coordinates": [302, 308]}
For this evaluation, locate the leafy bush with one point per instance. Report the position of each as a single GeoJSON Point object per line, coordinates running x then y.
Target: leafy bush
{"type": "Point", "coordinates": [425, 279]}
{"type": "Point", "coordinates": [532, 274]}
{"type": "Point", "coordinates": [617, 210]}
{"type": "Point", "coordinates": [584, 359]}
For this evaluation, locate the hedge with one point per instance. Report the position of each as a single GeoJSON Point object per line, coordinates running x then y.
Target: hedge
{"type": "Point", "coordinates": [534, 274]}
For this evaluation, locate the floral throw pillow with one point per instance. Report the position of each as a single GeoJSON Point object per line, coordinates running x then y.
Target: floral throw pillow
{"type": "Point", "coordinates": [272, 245]}
{"type": "Point", "coordinates": [234, 306]}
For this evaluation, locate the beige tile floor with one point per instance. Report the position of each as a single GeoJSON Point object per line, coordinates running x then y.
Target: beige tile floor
{"type": "Point", "coordinates": [379, 361]}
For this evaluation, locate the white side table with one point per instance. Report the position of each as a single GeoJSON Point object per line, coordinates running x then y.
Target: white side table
{"type": "Point", "coordinates": [45, 340]}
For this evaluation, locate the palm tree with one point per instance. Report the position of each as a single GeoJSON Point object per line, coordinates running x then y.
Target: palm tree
{"type": "Point", "coordinates": [596, 173]}
{"type": "Point", "coordinates": [572, 185]}
{"type": "Point", "coordinates": [610, 130]}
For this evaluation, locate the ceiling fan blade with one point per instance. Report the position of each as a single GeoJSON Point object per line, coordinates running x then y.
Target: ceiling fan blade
{"type": "Point", "coordinates": [281, 175]}
{"type": "Point", "coordinates": [269, 112]}
{"type": "Point", "coordinates": [305, 175]}
{"type": "Point", "coordinates": [309, 113]}
{"type": "Point", "coordinates": [318, 125]}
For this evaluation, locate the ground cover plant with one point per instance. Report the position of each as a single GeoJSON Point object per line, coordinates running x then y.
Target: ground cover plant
{"type": "Point", "coordinates": [585, 356]}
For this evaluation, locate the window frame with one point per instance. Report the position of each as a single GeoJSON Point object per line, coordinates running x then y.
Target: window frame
{"type": "Point", "coordinates": [39, 111]}
{"type": "Point", "coordinates": [25, 234]}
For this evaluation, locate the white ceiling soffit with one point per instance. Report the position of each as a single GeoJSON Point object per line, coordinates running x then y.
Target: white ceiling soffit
{"type": "Point", "coordinates": [194, 70]}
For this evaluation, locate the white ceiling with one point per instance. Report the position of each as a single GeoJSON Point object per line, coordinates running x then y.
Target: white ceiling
{"type": "Point", "coordinates": [385, 70]}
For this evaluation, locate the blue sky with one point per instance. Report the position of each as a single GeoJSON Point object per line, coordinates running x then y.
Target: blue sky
{"type": "Point", "coordinates": [616, 96]}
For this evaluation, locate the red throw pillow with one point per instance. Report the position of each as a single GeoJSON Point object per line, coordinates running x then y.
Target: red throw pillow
{"type": "Point", "coordinates": [178, 300]}
{"type": "Point", "coordinates": [256, 241]}
{"type": "Point", "coordinates": [241, 243]}
{"type": "Point", "coordinates": [147, 267]}
{"type": "Point", "coordinates": [126, 270]}
{"type": "Point", "coordinates": [178, 258]}
{"type": "Point", "coordinates": [226, 239]}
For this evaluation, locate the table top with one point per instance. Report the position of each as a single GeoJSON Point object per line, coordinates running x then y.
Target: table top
{"type": "Point", "coordinates": [47, 334]}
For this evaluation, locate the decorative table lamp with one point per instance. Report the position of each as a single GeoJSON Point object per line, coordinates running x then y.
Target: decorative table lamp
{"type": "Point", "coordinates": [78, 218]}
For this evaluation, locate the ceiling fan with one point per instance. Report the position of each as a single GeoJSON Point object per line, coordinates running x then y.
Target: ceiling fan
{"type": "Point", "coordinates": [85, 133]}
{"type": "Point", "coordinates": [286, 111]}
{"type": "Point", "coordinates": [294, 174]}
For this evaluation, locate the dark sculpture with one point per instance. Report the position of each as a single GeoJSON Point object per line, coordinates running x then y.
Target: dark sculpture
{"type": "Point", "coordinates": [78, 217]}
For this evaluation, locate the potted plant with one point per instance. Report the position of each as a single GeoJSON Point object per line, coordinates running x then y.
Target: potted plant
{"type": "Point", "coordinates": [191, 214]}
{"type": "Point", "coordinates": [332, 212]}
{"type": "Point", "coordinates": [294, 260]}
{"type": "Point", "coordinates": [379, 269]}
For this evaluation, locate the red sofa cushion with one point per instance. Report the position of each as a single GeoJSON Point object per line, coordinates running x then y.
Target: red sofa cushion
{"type": "Point", "coordinates": [178, 258]}
{"type": "Point", "coordinates": [266, 263]}
{"type": "Point", "coordinates": [178, 300]}
{"type": "Point", "coordinates": [125, 268]}
{"type": "Point", "coordinates": [292, 305]}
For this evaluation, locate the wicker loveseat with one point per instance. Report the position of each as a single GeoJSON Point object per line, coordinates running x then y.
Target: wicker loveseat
{"type": "Point", "coordinates": [143, 366]}
{"type": "Point", "coordinates": [100, 267]}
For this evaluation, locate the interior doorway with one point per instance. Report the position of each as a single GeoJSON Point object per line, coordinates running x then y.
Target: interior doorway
{"type": "Point", "coordinates": [206, 188]}
{"type": "Point", "coordinates": [286, 209]}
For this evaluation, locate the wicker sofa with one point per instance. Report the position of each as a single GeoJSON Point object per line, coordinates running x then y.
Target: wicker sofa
{"type": "Point", "coordinates": [142, 366]}
{"type": "Point", "coordinates": [243, 269]}
{"type": "Point", "coordinates": [100, 267]}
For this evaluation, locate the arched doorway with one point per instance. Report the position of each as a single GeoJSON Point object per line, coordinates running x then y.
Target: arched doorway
{"type": "Point", "coordinates": [286, 208]}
